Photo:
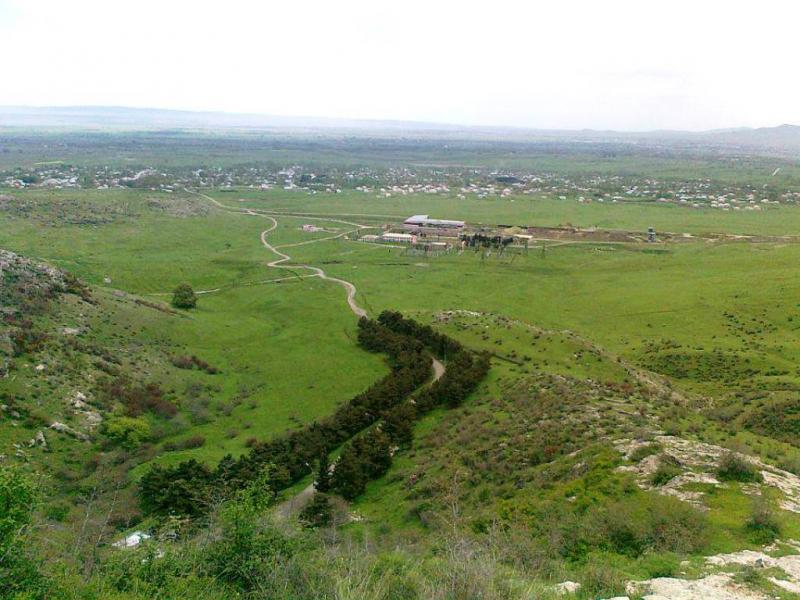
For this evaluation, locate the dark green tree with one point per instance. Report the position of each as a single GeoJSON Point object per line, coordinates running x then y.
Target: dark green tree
{"type": "Point", "coordinates": [318, 512]}
{"type": "Point", "coordinates": [349, 479]}
{"type": "Point", "coordinates": [322, 483]}
{"type": "Point", "coordinates": [181, 490]}
{"type": "Point", "coordinates": [184, 297]}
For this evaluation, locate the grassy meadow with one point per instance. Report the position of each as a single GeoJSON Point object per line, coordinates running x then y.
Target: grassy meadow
{"type": "Point", "coordinates": [574, 329]}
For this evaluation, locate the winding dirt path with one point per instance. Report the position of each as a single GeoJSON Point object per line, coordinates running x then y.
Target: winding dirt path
{"type": "Point", "coordinates": [299, 500]}
{"type": "Point", "coordinates": [283, 257]}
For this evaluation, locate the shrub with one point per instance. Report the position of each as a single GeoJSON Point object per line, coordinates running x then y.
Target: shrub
{"type": "Point", "coordinates": [137, 399]}
{"type": "Point", "coordinates": [643, 452]}
{"type": "Point", "coordinates": [193, 362]}
{"type": "Point", "coordinates": [647, 522]}
{"type": "Point", "coordinates": [668, 469]}
{"type": "Point", "coordinates": [19, 496]}
{"type": "Point", "coordinates": [128, 432]}
{"type": "Point", "coordinates": [734, 467]}
{"type": "Point", "coordinates": [195, 441]}
{"type": "Point", "coordinates": [317, 513]}
{"type": "Point", "coordinates": [184, 297]}
{"type": "Point", "coordinates": [762, 523]}
{"type": "Point", "coordinates": [660, 565]}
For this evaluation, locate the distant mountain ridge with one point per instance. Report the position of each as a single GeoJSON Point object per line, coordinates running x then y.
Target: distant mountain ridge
{"type": "Point", "coordinates": [782, 138]}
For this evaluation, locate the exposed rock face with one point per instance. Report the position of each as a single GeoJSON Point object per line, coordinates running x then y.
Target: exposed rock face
{"type": "Point", "coordinates": [27, 272]}
{"type": "Point", "coordinates": [700, 461]}
{"type": "Point", "coordinates": [713, 587]}
{"type": "Point", "coordinates": [568, 587]}
{"type": "Point", "coordinates": [38, 440]}
{"type": "Point", "coordinates": [81, 407]}
{"type": "Point", "coordinates": [66, 429]}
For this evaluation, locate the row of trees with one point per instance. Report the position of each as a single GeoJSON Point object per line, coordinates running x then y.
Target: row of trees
{"type": "Point", "coordinates": [191, 487]}
{"type": "Point", "coordinates": [385, 413]}
{"type": "Point", "coordinates": [369, 455]}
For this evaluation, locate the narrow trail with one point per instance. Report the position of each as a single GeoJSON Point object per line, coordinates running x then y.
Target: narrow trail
{"type": "Point", "coordinates": [283, 257]}
{"type": "Point", "coordinates": [300, 499]}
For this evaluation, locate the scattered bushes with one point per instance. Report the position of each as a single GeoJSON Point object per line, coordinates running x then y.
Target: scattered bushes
{"type": "Point", "coordinates": [136, 399]}
{"type": "Point", "coordinates": [646, 522]}
{"type": "Point", "coordinates": [25, 338]}
{"type": "Point", "coordinates": [643, 452]}
{"type": "Point", "coordinates": [734, 467]}
{"type": "Point", "coordinates": [762, 524]}
{"type": "Point", "coordinates": [193, 362]}
{"type": "Point", "coordinates": [195, 441]}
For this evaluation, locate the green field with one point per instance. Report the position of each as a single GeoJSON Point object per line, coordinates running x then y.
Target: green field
{"type": "Point", "coordinates": [592, 343]}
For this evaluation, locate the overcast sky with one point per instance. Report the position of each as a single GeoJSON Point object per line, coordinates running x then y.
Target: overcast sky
{"type": "Point", "coordinates": [617, 64]}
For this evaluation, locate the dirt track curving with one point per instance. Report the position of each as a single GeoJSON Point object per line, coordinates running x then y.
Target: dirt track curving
{"type": "Point", "coordinates": [278, 263]}
{"type": "Point", "coordinates": [296, 502]}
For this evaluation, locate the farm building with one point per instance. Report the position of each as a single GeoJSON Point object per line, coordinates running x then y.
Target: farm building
{"type": "Point", "coordinates": [403, 238]}
{"type": "Point", "coordinates": [424, 222]}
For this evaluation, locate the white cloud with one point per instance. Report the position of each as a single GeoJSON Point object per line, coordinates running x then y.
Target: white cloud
{"type": "Point", "coordinates": [571, 63]}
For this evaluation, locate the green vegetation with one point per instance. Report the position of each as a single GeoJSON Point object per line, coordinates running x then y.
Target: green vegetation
{"type": "Point", "coordinates": [737, 468]}
{"type": "Point", "coordinates": [274, 446]}
{"type": "Point", "coordinates": [184, 297]}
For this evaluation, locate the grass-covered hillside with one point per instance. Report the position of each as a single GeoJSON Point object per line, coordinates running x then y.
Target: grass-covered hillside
{"type": "Point", "coordinates": [635, 434]}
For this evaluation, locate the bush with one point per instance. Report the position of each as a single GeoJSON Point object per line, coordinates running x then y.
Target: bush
{"type": "Point", "coordinates": [734, 467]}
{"type": "Point", "coordinates": [184, 297]}
{"type": "Point", "coordinates": [317, 513]}
{"type": "Point", "coordinates": [668, 469]}
{"type": "Point", "coordinates": [762, 524]}
{"type": "Point", "coordinates": [128, 432]}
{"type": "Point", "coordinates": [195, 441]}
{"type": "Point", "coordinates": [647, 522]}
{"type": "Point", "coordinates": [136, 399]}
{"type": "Point", "coordinates": [19, 497]}
{"type": "Point", "coordinates": [643, 452]}
{"type": "Point", "coordinates": [193, 362]}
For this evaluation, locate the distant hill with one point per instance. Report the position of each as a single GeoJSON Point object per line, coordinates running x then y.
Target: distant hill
{"type": "Point", "coordinates": [115, 117]}
{"type": "Point", "coordinates": [783, 139]}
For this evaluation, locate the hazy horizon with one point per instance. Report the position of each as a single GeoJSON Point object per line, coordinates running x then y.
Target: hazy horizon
{"type": "Point", "coordinates": [297, 120]}
{"type": "Point", "coordinates": [574, 65]}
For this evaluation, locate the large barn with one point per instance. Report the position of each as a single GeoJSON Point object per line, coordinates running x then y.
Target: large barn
{"type": "Point", "coordinates": [424, 222]}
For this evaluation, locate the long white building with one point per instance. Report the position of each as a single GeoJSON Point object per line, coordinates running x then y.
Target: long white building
{"type": "Point", "coordinates": [424, 222]}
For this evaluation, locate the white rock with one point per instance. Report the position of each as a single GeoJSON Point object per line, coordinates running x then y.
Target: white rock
{"type": "Point", "coordinates": [568, 587]}
{"type": "Point", "coordinates": [132, 540]}
{"type": "Point", "coordinates": [713, 587]}
{"type": "Point", "coordinates": [64, 428]}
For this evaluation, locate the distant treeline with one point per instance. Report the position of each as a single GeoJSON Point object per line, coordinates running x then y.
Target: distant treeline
{"type": "Point", "coordinates": [190, 488]}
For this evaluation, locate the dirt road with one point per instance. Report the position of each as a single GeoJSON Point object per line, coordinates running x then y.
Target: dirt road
{"type": "Point", "coordinates": [283, 257]}
{"type": "Point", "coordinates": [296, 502]}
